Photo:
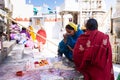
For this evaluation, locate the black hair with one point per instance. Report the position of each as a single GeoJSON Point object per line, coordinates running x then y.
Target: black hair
{"type": "Point", "coordinates": [13, 22]}
{"type": "Point", "coordinates": [92, 24]}
{"type": "Point", "coordinates": [23, 28]}
{"type": "Point", "coordinates": [69, 27]}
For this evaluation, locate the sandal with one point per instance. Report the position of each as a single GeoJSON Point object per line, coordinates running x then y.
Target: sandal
{"type": "Point", "coordinates": [44, 61]}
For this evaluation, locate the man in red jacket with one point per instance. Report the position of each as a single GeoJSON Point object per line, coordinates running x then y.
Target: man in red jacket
{"type": "Point", "coordinates": [92, 54]}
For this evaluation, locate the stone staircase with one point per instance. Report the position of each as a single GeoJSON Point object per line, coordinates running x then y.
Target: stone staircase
{"type": "Point", "coordinates": [7, 47]}
{"type": "Point", "coordinates": [16, 53]}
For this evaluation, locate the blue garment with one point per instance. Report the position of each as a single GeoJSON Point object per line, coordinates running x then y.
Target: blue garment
{"type": "Point", "coordinates": [71, 40]}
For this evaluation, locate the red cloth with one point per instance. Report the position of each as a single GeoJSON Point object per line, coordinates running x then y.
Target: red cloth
{"type": "Point", "coordinates": [42, 33]}
{"type": "Point", "coordinates": [93, 56]}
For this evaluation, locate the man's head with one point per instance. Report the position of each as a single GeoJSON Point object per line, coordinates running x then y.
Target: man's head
{"type": "Point", "coordinates": [91, 24]}
{"type": "Point", "coordinates": [23, 28]}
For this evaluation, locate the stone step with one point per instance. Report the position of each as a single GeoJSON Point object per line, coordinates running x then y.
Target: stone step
{"type": "Point", "coordinates": [7, 47]}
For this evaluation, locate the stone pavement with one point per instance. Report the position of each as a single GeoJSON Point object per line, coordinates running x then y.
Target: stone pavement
{"type": "Point", "coordinates": [19, 57]}
{"type": "Point", "coordinates": [22, 59]}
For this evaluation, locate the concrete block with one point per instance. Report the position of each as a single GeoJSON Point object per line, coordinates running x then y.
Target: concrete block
{"type": "Point", "coordinates": [18, 47]}
{"type": "Point", "coordinates": [4, 53]}
{"type": "Point", "coordinates": [16, 51]}
{"type": "Point", "coordinates": [0, 57]}
{"type": "Point", "coordinates": [16, 54]}
{"type": "Point", "coordinates": [118, 58]}
{"type": "Point", "coordinates": [8, 46]}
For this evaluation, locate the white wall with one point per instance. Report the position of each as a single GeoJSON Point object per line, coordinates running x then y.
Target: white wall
{"type": "Point", "coordinates": [22, 10]}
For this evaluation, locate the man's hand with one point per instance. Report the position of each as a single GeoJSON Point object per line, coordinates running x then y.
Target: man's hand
{"type": "Point", "coordinates": [65, 37]}
{"type": "Point", "coordinates": [70, 48]}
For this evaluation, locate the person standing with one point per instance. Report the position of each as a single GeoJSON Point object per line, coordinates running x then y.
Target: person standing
{"type": "Point", "coordinates": [92, 54]}
{"type": "Point", "coordinates": [41, 38]}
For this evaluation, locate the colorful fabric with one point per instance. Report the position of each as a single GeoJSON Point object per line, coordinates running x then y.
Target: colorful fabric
{"type": "Point", "coordinates": [27, 34]}
{"type": "Point", "coordinates": [29, 44]}
{"type": "Point", "coordinates": [32, 34]}
{"type": "Point", "coordinates": [92, 56]}
{"type": "Point", "coordinates": [71, 40]}
{"type": "Point", "coordinates": [15, 36]}
{"type": "Point", "coordinates": [42, 33]}
{"type": "Point", "coordinates": [15, 27]}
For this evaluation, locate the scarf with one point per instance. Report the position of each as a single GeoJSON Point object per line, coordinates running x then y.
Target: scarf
{"type": "Point", "coordinates": [73, 26]}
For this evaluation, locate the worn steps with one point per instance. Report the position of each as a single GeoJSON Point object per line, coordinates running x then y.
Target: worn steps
{"type": "Point", "coordinates": [7, 47]}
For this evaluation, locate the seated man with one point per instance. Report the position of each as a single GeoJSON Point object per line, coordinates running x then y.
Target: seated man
{"type": "Point", "coordinates": [67, 44]}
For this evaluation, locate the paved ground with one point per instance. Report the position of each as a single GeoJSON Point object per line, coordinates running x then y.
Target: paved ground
{"type": "Point", "coordinates": [18, 58]}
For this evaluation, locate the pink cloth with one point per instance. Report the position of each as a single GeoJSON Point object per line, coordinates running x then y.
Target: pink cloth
{"type": "Point", "coordinates": [30, 44]}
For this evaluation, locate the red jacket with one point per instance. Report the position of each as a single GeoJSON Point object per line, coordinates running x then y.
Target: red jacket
{"type": "Point", "coordinates": [93, 56]}
{"type": "Point", "coordinates": [42, 33]}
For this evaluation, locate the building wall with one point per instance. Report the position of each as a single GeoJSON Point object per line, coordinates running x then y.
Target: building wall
{"type": "Point", "coordinates": [116, 19]}
{"type": "Point", "coordinates": [21, 10]}
{"type": "Point", "coordinates": [52, 25]}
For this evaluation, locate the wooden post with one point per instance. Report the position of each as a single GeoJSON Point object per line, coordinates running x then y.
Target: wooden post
{"type": "Point", "coordinates": [111, 31]}
{"type": "Point", "coordinates": [1, 42]}
{"type": "Point", "coordinates": [111, 26]}
{"type": "Point", "coordinates": [62, 21]}
{"type": "Point", "coordinates": [8, 31]}
{"type": "Point", "coordinates": [1, 32]}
